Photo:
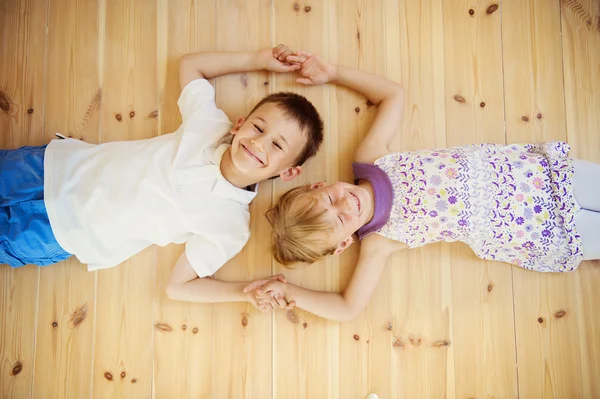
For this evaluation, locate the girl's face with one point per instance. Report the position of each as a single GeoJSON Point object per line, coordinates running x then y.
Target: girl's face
{"type": "Point", "coordinates": [347, 207]}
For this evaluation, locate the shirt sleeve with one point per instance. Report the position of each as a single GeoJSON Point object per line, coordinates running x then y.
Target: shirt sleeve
{"type": "Point", "coordinates": [208, 253]}
{"type": "Point", "coordinates": [198, 99]}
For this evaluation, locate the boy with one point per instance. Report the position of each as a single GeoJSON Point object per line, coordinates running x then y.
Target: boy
{"type": "Point", "coordinates": [104, 203]}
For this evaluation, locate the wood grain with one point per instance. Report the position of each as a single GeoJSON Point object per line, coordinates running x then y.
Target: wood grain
{"type": "Point", "coordinates": [580, 22]}
{"type": "Point", "coordinates": [304, 356]}
{"type": "Point", "coordinates": [67, 296]}
{"type": "Point", "coordinates": [183, 358]}
{"type": "Point", "coordinates": [23, 38]}
{"type": "Point", "coordinates": [484, 347]}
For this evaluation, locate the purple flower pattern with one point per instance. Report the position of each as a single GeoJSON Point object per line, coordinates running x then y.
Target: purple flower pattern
{"type": "Point", "coordinates": [491, 199]}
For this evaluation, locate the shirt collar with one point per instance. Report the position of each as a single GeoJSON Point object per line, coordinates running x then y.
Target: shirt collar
{"type": "Point", "coordinates": [224, 188]}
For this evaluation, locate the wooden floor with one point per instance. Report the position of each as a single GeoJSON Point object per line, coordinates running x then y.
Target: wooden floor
{"type": "Point", "coordinates": [442, 323]}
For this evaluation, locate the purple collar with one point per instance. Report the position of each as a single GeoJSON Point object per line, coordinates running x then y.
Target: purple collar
{"type": "Point", "coordinates": [383, 194]}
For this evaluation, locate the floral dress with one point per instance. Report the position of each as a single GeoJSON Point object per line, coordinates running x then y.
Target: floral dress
{"type": "Point", "coordinates": [512, 203]}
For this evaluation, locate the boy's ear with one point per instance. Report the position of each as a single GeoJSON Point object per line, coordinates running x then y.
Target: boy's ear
{"type": "Point", "coordinates": [237, 125]}
{"type": "Point", "coordinates": [342, 246]}
{"type": "Point", "coordinates": [290, 173]}
{"type": "Point", "coordinates": [318, 185]}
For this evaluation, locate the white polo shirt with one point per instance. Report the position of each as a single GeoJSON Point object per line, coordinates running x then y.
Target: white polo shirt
{"type": "Point", "coordinates": [108, 202]}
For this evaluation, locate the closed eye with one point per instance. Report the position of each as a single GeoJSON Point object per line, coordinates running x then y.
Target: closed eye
{"type": "Point", "coordinates": [277, 145]}
{"type": "Point", "coordinates": [258, 128]}
{"type": "Point", "coordinates": [330, 200]}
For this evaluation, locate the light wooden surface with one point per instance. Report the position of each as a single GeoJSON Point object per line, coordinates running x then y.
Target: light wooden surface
{"type": "Point", "coordinates": [442, 323]}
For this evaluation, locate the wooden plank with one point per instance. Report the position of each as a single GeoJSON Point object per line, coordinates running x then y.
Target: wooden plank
{"type": "Point", "coordinates": [483, 325]}
{"type": "Point", "coordinates": [581, 58]}
{"type": "Point", "coordinates": [243, 334]}
{"type": "Point", "coordinates": [306, 346]}
{"type": "Point", "coordinates": [183, 336]}
{"type": "Point", "coordinates": [64, 345]}
{"type": "Point", "coordinates": [23, 36]}
{"type": "Point", "coordinates": [22, 71]}
{"type": "Point", "coordinates": [421, 323]}
{"type": "Point", "coordinates": [356, 34]}
{"type": "Point", "coordinates": [125, 294]}
{"type": "Point", "coordinates": [547, 346]}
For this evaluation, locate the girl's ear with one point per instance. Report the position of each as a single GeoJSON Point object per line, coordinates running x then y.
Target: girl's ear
{"type": "Point", "coordinates": [342, 246]}
{"type": "Point", "coordinates": [317, 185]}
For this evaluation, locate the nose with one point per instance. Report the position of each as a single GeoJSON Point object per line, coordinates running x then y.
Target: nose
{"type": "Point", "coordinates": [344, 203]}
{"type": "Point", "coordinates": [256, 143]}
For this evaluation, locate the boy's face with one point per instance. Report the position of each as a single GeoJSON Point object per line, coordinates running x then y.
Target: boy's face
{"type": "Point", "coordinates": [267, 144]}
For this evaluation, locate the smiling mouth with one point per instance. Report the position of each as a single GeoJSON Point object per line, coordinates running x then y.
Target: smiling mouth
{"type": "Point", "coordinates": [251, 155]}
{"type": "Point", "coordinates": [357, 200]}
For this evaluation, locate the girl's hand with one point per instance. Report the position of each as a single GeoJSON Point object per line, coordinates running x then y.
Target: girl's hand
{"type": "Point", "coordinates": [266, 304]}
{"type": "Point", "coordinates": [273, 290]}
{"type": "Point", "coordinates": [274, 60]}
{"type": "Point", "coordinates": [314, 70]}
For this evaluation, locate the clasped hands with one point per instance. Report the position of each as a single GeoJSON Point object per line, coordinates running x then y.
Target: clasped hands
{"type": "Point", "coordinates": [269, 294]}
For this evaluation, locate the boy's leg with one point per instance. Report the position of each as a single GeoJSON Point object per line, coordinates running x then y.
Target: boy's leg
{"type": "Point", "coordinates": [21, 175]}
{"type": "Point", "coordinates": [25, 233]}
{"type": "Point", "coordinates": [26, 236]}
{"type": "Point", "coordinates": [588, 226]}
{"type": "Point", "coordinates": [585, 184]}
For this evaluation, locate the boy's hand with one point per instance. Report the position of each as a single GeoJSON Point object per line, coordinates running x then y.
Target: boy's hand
{"type": "Point", "coordinates": [274, 60]}
{"type": "Point", "coordinates": [314, 70]}
{"type": "Point", "coordinates": [266, 302]}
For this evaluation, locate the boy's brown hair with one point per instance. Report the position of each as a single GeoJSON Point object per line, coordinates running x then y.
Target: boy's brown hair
{"type": "Point", "coordinates": [299, 109]}
{"type": "Point", "coordinates": [299, 229]}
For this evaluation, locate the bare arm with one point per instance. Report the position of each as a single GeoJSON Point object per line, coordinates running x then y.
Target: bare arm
{"type": "Point", "coordinates": [213, 64]}
{"type": "Point", "coordinates": [185, 285]}
{"type": "Point", "coordinates": [388, 95]}
{"type": "Point", "coordinates": [344, 306]}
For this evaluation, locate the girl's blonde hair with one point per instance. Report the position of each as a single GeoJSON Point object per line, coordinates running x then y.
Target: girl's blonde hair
{"type": "Point", "coordinates": [300, 230]}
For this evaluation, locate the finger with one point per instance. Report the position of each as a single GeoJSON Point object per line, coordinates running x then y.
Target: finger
{"type": "Point", "coordinates": [291, 305]}
{"type": "Point", "coordinates": [284, 55]}
{"type": "Point", "coordinates": [277, 50]}
{"type": "Point", "coordinates": [289, 68]}
{"type": "Point", "coordinates": [303, 53]}
{"type": "Point", "coordinates": [265, 289]}
{"type": "Point", "coordinates": [280, 277]}
{"type": "Point", "coordinates": [304, 81]}
{"type": "Point", "coordinates": [295, 58]}
{"type": "Point", "coordinates": [254, 285]}
{"type": "Point", "coordinates": [281, 303]}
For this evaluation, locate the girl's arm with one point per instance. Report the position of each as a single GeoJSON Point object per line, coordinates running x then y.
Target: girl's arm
{"type": "Point", "coordinates": [348, 305]}
{"type": "Point", "coordinates": [388, 95]}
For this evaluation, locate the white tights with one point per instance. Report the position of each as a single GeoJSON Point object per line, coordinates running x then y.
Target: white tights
{"type": "Point", "coordinates": [586, 188]}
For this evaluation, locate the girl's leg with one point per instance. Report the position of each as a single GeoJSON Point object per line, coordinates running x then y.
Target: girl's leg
{"type": "Point", "coordinates": [21, 175]}
{"type": "Point", "coordinates": [586, 184]}
{"type": "Point", "coordinates": [588, 225]}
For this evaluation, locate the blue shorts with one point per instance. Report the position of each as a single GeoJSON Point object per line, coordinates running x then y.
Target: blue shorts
{"type": "Point", "coordinates": [25, 233]}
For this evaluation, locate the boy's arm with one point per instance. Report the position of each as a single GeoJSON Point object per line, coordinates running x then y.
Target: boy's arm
{"type": "Point", "coordinates": [388, 95]}
{"type": "Point", "coordinates": [212, 64]}
{"type": "Point", "coordinates": [185, 285]}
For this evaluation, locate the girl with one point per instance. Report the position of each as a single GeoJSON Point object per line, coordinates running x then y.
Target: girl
{"type": "Point", "coordinates": [520, 203]}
